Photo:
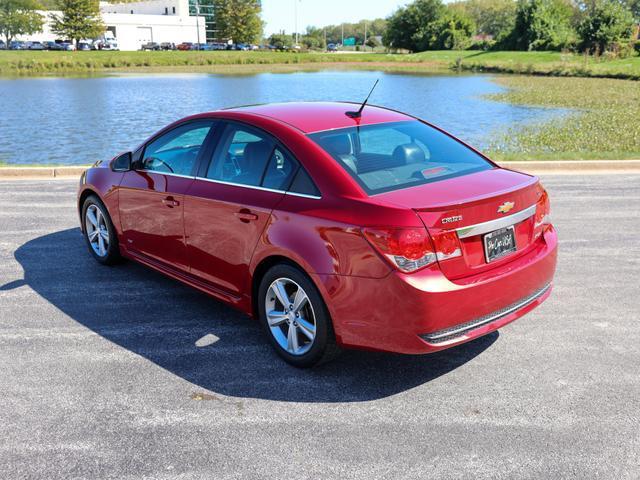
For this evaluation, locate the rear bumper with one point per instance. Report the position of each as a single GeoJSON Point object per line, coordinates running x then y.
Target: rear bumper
{"type": "Point", "coordinates": [425, 312]}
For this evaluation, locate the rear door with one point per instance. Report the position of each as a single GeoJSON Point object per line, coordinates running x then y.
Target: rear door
{"type": "Point", "coordinates": [229, 204]}
{"type": "Point", "coordinates": [151, 198]}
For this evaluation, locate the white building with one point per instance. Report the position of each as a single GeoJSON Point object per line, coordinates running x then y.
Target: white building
{"type": "Point", "coordinates": [134, 24]}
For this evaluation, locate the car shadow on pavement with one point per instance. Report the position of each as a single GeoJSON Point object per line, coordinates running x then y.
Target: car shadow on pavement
{"type": "Point", "coordinates": [203, 341]}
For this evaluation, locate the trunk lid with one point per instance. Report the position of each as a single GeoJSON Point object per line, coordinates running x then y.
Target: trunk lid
{"type": "Point", "coordinates": [474, 205]}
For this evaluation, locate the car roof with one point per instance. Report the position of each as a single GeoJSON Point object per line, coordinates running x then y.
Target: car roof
{"type": "Point", "coordinates": [310, 117]}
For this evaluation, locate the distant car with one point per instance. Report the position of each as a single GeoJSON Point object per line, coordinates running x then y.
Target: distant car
{"type": "Point", "coordinates": [16, 45]}
{"type": "Point", "coordinates": [3, 46]}
{"type": "Point", "coordinates": [242, 46]}
{"type": "Point", "coordinates": [36, 46]}
{"type": "Point", "coordinates": [69, 47]}
{"type": "Point", "coordinates": [332, 47]}
{"type": "Point", "coordinates": [83, 46]}
{"type": "Point", "coordinates": [52, 46]}
{"type": "Point", "coordinates": [110, 45]}
{"type": "Point", "coordinates": [185, 46]}
{"type": "Point", "coordinates": [167, 46]}
{"type": "Point", "coordinates": [150, 46]}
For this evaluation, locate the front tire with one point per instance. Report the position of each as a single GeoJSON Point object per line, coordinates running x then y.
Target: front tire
{"type": "Point", "coordinates": [295, 317]}
{"type": "Point", "coordinates": [99, 232]}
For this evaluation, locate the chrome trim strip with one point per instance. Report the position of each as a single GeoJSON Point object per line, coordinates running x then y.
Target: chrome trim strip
{"type": "Point", "coordinates": [459, 330]}
{"type": "Point", "coordinates": [491, 225]}
{"type": "Point", "coordinates": [255, 187]}
{"type": "Point", "coordinates": [169, 174]}
{"type": "Point", "coordinates": [303, 195]}
{"type": "Point", "coordinates": [232, 184]}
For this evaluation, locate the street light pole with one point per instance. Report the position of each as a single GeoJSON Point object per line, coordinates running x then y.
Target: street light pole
{"type": "Point", "coordinates": [198, 22]}
{"type": "Point", "coordinates": [295, 8]}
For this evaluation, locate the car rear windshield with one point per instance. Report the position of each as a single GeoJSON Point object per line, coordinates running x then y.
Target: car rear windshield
{"type": "Point", "coordinates": [392, 156]}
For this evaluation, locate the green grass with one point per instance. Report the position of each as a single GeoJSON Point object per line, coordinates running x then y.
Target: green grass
{"type": "Point", "coordinates": [603, 126]}
{"type": "Point", "coordinates": [536, 63]}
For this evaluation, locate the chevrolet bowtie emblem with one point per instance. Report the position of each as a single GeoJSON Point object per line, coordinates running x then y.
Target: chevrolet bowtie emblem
{"type": "Point", "coordinates": [506, 207]}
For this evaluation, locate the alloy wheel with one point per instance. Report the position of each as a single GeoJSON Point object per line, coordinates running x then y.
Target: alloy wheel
{"type": "Point", "coordinates": [290, 316]}
{"type": "Point", "coordinates": [96, 230]}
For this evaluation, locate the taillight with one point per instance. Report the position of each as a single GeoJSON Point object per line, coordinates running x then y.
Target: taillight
{"type": "Point", "coordinates": [543, 214]}
{"type": "Point", "coordinates": [410, 249]}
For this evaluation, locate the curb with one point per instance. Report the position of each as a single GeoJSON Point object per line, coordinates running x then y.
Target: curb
{"type": "Point", "coordinates": [537, 167]}
{"type": "Point", "coordinates": [41, 172]}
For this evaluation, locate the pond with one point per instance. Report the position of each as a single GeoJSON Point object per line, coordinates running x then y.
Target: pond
{"type": "Point", "coordinates": [80, 120]}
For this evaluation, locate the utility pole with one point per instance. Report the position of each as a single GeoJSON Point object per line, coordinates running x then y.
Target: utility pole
{"type": "Point", "coordinates": [295, 7]}
{"type": "Point", "coordinates": [342, 44]}
{"type": "Point", "coordinates": [198, 22]}
{"type": "Point", "coordinates": [364, 44]}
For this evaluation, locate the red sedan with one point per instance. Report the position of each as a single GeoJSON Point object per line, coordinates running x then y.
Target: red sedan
{"type": "Point", "coordinates": [371, 230]}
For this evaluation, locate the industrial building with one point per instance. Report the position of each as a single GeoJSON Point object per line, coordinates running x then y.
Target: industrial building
{"type": "Point", "coordinates": [136, 23]}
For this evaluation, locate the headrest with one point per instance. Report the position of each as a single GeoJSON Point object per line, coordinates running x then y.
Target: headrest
{"type": "Point", "coordinates": [408, 153]}
{"type": "Point", "coordinates": [338, 144]}
{"type": "Point", "coordinates": [256, 153]}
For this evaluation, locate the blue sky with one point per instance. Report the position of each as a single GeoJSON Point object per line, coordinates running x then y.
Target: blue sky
{"type": "Point", "coordinates": [280, 14]}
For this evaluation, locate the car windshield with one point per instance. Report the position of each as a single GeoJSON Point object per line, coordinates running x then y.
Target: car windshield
{"type": "Point", "coordinates": [392, 156]}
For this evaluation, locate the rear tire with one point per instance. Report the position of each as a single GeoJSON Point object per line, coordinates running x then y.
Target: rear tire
{"type": "Point", "coordinates": [99, 233]}
{"type": "Point", "coordinates": [295, 318]}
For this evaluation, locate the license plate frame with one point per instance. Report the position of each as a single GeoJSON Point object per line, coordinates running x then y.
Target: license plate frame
{"type": "Point", "coordinates": [493, 252]}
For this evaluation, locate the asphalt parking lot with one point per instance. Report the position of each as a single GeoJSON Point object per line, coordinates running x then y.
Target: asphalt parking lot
{"type": "Point", "coordinates": [122, 373]}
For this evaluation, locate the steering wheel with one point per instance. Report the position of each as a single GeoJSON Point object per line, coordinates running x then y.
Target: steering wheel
{"type": "Point", "coordinates": [152, 160]}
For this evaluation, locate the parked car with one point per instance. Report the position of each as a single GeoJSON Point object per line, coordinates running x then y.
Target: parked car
{"type": "Point", "coordinates": [334, 224]}
{"type": "Point", "coordinates": [17, 45]}
{"type": "Point", "coordinates": [332, 47]}
{"type": "Point", "coordinates": [52, 46]}
{"type": "Point", "coordinates": [83, 46]}
{"type": "Point", "coordinates": [243, 47]}
{"type": "Point", "coordinates": [167, 46]}
{"type": "Point", "coordinates": [185, 46]}
{"type": "Point", "coordinates": [3, 46]}
{"type": "Point", "coordinates": [69, 47]}
{"type": "Point", "coordinates": [150, 46]}
{"type": "Point", "coordinates": [36, 46]}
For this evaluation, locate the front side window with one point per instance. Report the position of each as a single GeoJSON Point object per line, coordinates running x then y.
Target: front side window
{"type": "Point", "coordinates": [392, 156]}
{"type": "Point", "coordinates": [177, 150]}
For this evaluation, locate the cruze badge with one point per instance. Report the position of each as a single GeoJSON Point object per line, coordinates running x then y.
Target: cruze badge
{"type": "Point", "coordinates": [506, 207]}
{"type": "Point", "coordinates": [455, 218]}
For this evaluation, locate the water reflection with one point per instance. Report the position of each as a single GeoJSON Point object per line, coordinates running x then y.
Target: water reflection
{"type": "Point", "coordinates": [80, 120]}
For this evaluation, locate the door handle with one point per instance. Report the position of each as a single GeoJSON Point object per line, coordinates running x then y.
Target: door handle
{"type": "Point", "coordinates": [170, 202]}
{"type": "Point", "coordinates": [246, 216]}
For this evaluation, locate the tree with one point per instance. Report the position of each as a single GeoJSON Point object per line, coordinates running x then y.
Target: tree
{"type": "Point", "coordinates": [415, 27]}
{"type": "Point", "coordinates": [492, 17]}
{"type": "Point", "coordinates": [280, 41]}
{"type": "Point", "coordinates": [542, 25]}
{"type": "Point", "coordinates": [239, 20]}
{"type": "Point", "coordinates": [455, 30]}
{"type": "Point", "coordinates": [607, 23]}
{"type": "Point", "coordinates": [80, 19]}
{"type": "Point", "coordinates": [19, 17]}
{"type": "Point", "coordinates": [372, 42]}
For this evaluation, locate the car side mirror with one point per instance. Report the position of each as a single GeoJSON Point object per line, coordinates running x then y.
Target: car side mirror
{"type": "Point", "coordinates": [122, 163]}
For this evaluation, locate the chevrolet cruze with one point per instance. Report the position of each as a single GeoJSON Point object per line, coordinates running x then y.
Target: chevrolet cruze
{"type": "Point", "coordinates": [334, 228]}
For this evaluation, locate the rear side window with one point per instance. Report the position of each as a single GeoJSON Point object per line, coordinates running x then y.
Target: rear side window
{"type": "Point", "coordinates": [398, 155]}
{"type": "Point", "coordinates": [241, 156]}
{"type": "Point", "coordinates": [280, 170]}
{"type": "Point", "coordinates": [302, 183]}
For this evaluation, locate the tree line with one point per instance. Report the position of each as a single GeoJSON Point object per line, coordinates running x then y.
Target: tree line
{"type": "Point", "coordinates": [594, 26]}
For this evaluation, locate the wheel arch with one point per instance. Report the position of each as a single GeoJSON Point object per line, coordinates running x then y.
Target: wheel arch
{"type": "Point", "coordinates": [262, 268]}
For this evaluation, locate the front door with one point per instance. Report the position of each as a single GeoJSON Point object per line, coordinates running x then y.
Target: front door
{"type": "Point", "coordinates": [151, 198]}
{"type": "Point", "coordinates": [227, 210]}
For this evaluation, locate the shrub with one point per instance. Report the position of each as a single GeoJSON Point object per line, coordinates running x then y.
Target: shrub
{"type": "Point", "coordinates": [607, 26]}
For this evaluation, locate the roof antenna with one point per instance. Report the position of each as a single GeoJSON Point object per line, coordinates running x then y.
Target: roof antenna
{"type": "Point", "coordinates": [358, 114]}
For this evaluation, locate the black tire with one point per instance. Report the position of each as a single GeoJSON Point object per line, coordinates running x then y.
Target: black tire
{"type": "Point", "coordinates": [112, 255]}
{"type": "Point", "coordinates": [323, 347]}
